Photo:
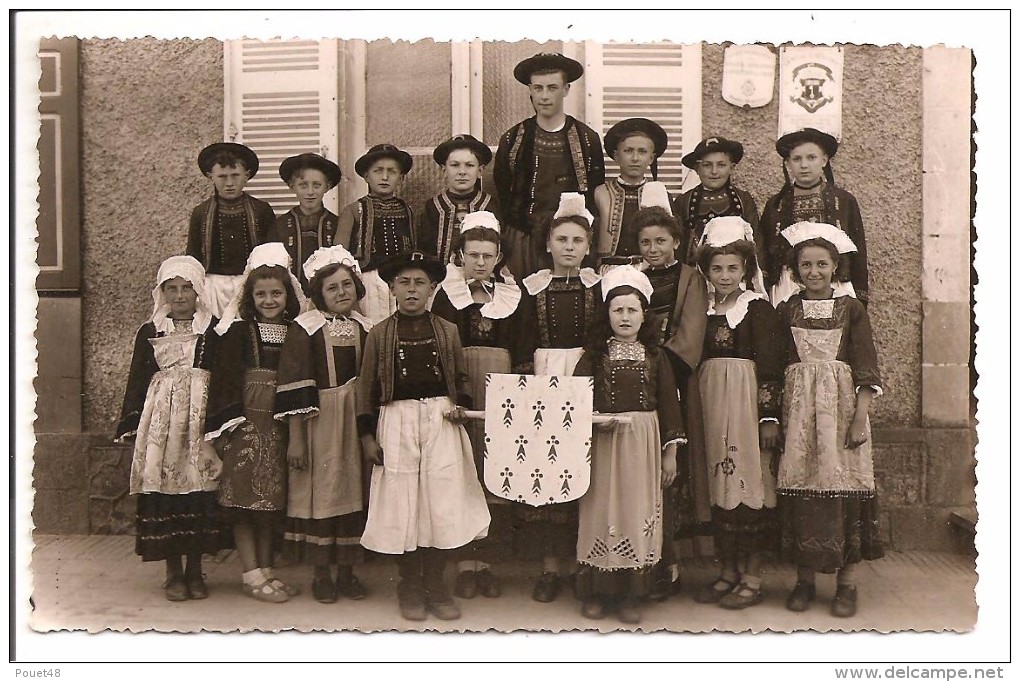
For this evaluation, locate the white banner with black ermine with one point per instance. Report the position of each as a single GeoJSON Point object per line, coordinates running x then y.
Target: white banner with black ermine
{"type": "Point", "coordinates": [538, 437]}
{"type": "Point", "coordinates": [811, 89]}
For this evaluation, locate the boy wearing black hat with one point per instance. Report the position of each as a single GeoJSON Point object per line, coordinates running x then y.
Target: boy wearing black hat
{"type": "Point", "coordinates": [810, 194]}
{"type": "Point", "coordinates": [309, 225]}
{"type": "Point", "coordinates": [713, 159]}
{"type": "Point", "coordinates": [425, 496]}
{"type": "Point", "coordinates": [543, 156]}
{"type": "Point", "coordinates": [462, 158]}
{"type": "Point", "coordinates": [224, 228]}
{"type": "Point", "coordinates": [379, 225]}
{"type": "Point", "coordinates": [635, 144]}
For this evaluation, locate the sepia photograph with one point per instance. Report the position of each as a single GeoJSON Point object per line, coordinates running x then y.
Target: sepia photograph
{"type": "Point", "coordinates": [524, 332]}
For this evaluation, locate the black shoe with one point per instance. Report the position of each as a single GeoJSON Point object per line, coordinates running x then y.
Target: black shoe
{"type": "Point", "coordinates": [442, 606]}
{"type": "Point", "coordinates": [411, 599]}
{"type": "Point", "coordinates": [323, 590]}
{"type": "Point", "coordinates": [488, 583]}
{"type": "Point", "coordinates": [844, 604]}
{"type": "Point", "coordinates": [465, 585]}
{"type": "Point", "coordinates": [351, 588]}
{"type": "Point", "coordinates": [176, 589]}
{"type": "Point", "coordinates": [629, 611]}
{"type": "Point", "coordinates": [547, 588]}
{"type": "Point", "coordinates": [801, 597]}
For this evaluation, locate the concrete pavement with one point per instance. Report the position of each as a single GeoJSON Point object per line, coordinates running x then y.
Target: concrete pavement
{"type": "Point", "coordinates": [96, 583]}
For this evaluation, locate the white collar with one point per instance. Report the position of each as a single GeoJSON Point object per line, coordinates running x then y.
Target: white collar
{"type": "Point", "coordinates": [539, 281]}
{"type": "Point", "coordinates": [199, 323]}
{"type": "Point", "coordinates": [313, 320]}
{"type": "Point", "coordinates": [505, 295]}
{"type": "Point", "coordinates": [736, 314]}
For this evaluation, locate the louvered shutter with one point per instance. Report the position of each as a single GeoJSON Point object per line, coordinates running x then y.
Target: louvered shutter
{"type": "Point", "coordinates": [661, 82]}
{"type": "Point", "coordinates": [281, 99]}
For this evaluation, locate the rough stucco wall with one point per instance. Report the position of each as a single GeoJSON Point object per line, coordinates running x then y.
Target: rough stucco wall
{"type": "Point", "coordinates": [147, 107]}
{"type": "Point", "coordinates": [879, 161]}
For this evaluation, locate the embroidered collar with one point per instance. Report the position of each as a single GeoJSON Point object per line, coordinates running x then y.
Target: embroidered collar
{"type": "Point", "coordinates": [505, 296]}
{"type": "Point", "coordinates": [201, 322]}
{"type": "Point", "coordinates": [313, 320]}
{"type": "Point", "coordinates": [541, 280]}
{"type": "Point", "coordinates": [736, 314]}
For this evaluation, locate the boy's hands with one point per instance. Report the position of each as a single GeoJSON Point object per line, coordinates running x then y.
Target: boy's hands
{"type": "Point", "coordinates": [372, 451]}
{"type": "Point", "coordinates": [456, 415]}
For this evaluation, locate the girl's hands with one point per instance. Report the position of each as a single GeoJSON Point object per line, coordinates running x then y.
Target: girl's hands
{"type": "Point", "coordinates": [297, 455]}
{"type": "Point", "coordinates": [768, 435]}
{"type": "Point", "coordinates": [372, 451]}
{"type": "Point", "coordinates": [857, 434]}
{"type": "Point", "coordinates": [456, 415]}
{"type": "Point", "coordinates": [669, 466]}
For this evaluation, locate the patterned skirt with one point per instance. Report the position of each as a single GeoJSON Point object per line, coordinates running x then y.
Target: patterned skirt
{"type": "Point", "coordinates": [176, 525]}
{"type": "Point", "coordinates": [827, 533]}
{"type": "Point", "coordinates": [254, 453]}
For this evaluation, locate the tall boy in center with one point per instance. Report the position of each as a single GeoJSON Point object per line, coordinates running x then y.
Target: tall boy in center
{"type": "Point", "coordinates": [543, 156]}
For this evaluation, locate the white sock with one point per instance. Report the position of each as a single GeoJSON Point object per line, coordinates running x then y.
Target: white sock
{"type": "Point", "coordinates": [268, 572]}
{"type": "Point", "coordinates": [253, 577]}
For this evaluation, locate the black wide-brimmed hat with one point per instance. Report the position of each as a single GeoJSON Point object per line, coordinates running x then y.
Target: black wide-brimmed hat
{"type": "Point", "coordinates": [382, 151]}
{"type": "Point", "coordinates": [636, 126]}
{"type": "Point", "coordinates": [432, 266]}
{"type": "Point", "coordinates": [786, 143]}
{"type": "Point", "coordinates": [734, 149]}
{"type": "Point", "coordinates": [293, 164]}
{"type": "Point", "coordinates": [247, 156]}
{"type": "Point", "coordinates": [480, 149]}
{"type": "Point", "coordinates": [548, 61]}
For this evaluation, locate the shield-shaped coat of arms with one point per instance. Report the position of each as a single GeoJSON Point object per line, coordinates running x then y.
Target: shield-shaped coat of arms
{"type": "Point", "coordinates": [538, 433]}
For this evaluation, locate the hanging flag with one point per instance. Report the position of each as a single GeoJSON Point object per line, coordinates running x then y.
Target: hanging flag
{"type": "Point", "coordinates": [811, 89]}
{"type": "Point", "coordinates": [749, 75]}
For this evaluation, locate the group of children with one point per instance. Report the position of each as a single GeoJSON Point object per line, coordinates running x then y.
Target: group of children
{"type": "Point", "coordinates": [301, 385]}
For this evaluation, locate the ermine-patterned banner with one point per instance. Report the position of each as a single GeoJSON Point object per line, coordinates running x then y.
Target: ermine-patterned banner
{"type": "Point", "coordinates": [538, 437]}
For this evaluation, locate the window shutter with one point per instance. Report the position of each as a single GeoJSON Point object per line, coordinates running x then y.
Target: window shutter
{"type": "Point", "coordinates": [281, 99]}
{"type": "Point", "coordinates": [660, 81]}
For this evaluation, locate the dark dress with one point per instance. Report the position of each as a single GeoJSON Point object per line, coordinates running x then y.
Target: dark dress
{"type": "Point", "coordinates": [827, 502]}
{"type": "Point", "coordinates": [557, 318]}
{"type": "Point", "coordinates": [172, 474]}
{"type": "Point", "coordinates": [242, 394]}
{"type": "Point", "coordinates": [327, 500]}
{"type": "Point", "coordinates": [620, 533]}
{"type": "Point", "coordinates": [741, 382]}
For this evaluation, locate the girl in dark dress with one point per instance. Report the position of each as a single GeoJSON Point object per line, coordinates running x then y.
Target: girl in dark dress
{"type": "Point", "coordinates": [242, 393]}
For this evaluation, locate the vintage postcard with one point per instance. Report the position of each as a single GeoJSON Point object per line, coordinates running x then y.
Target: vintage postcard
{"type": "Point", "coordinates": [384, 322]}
